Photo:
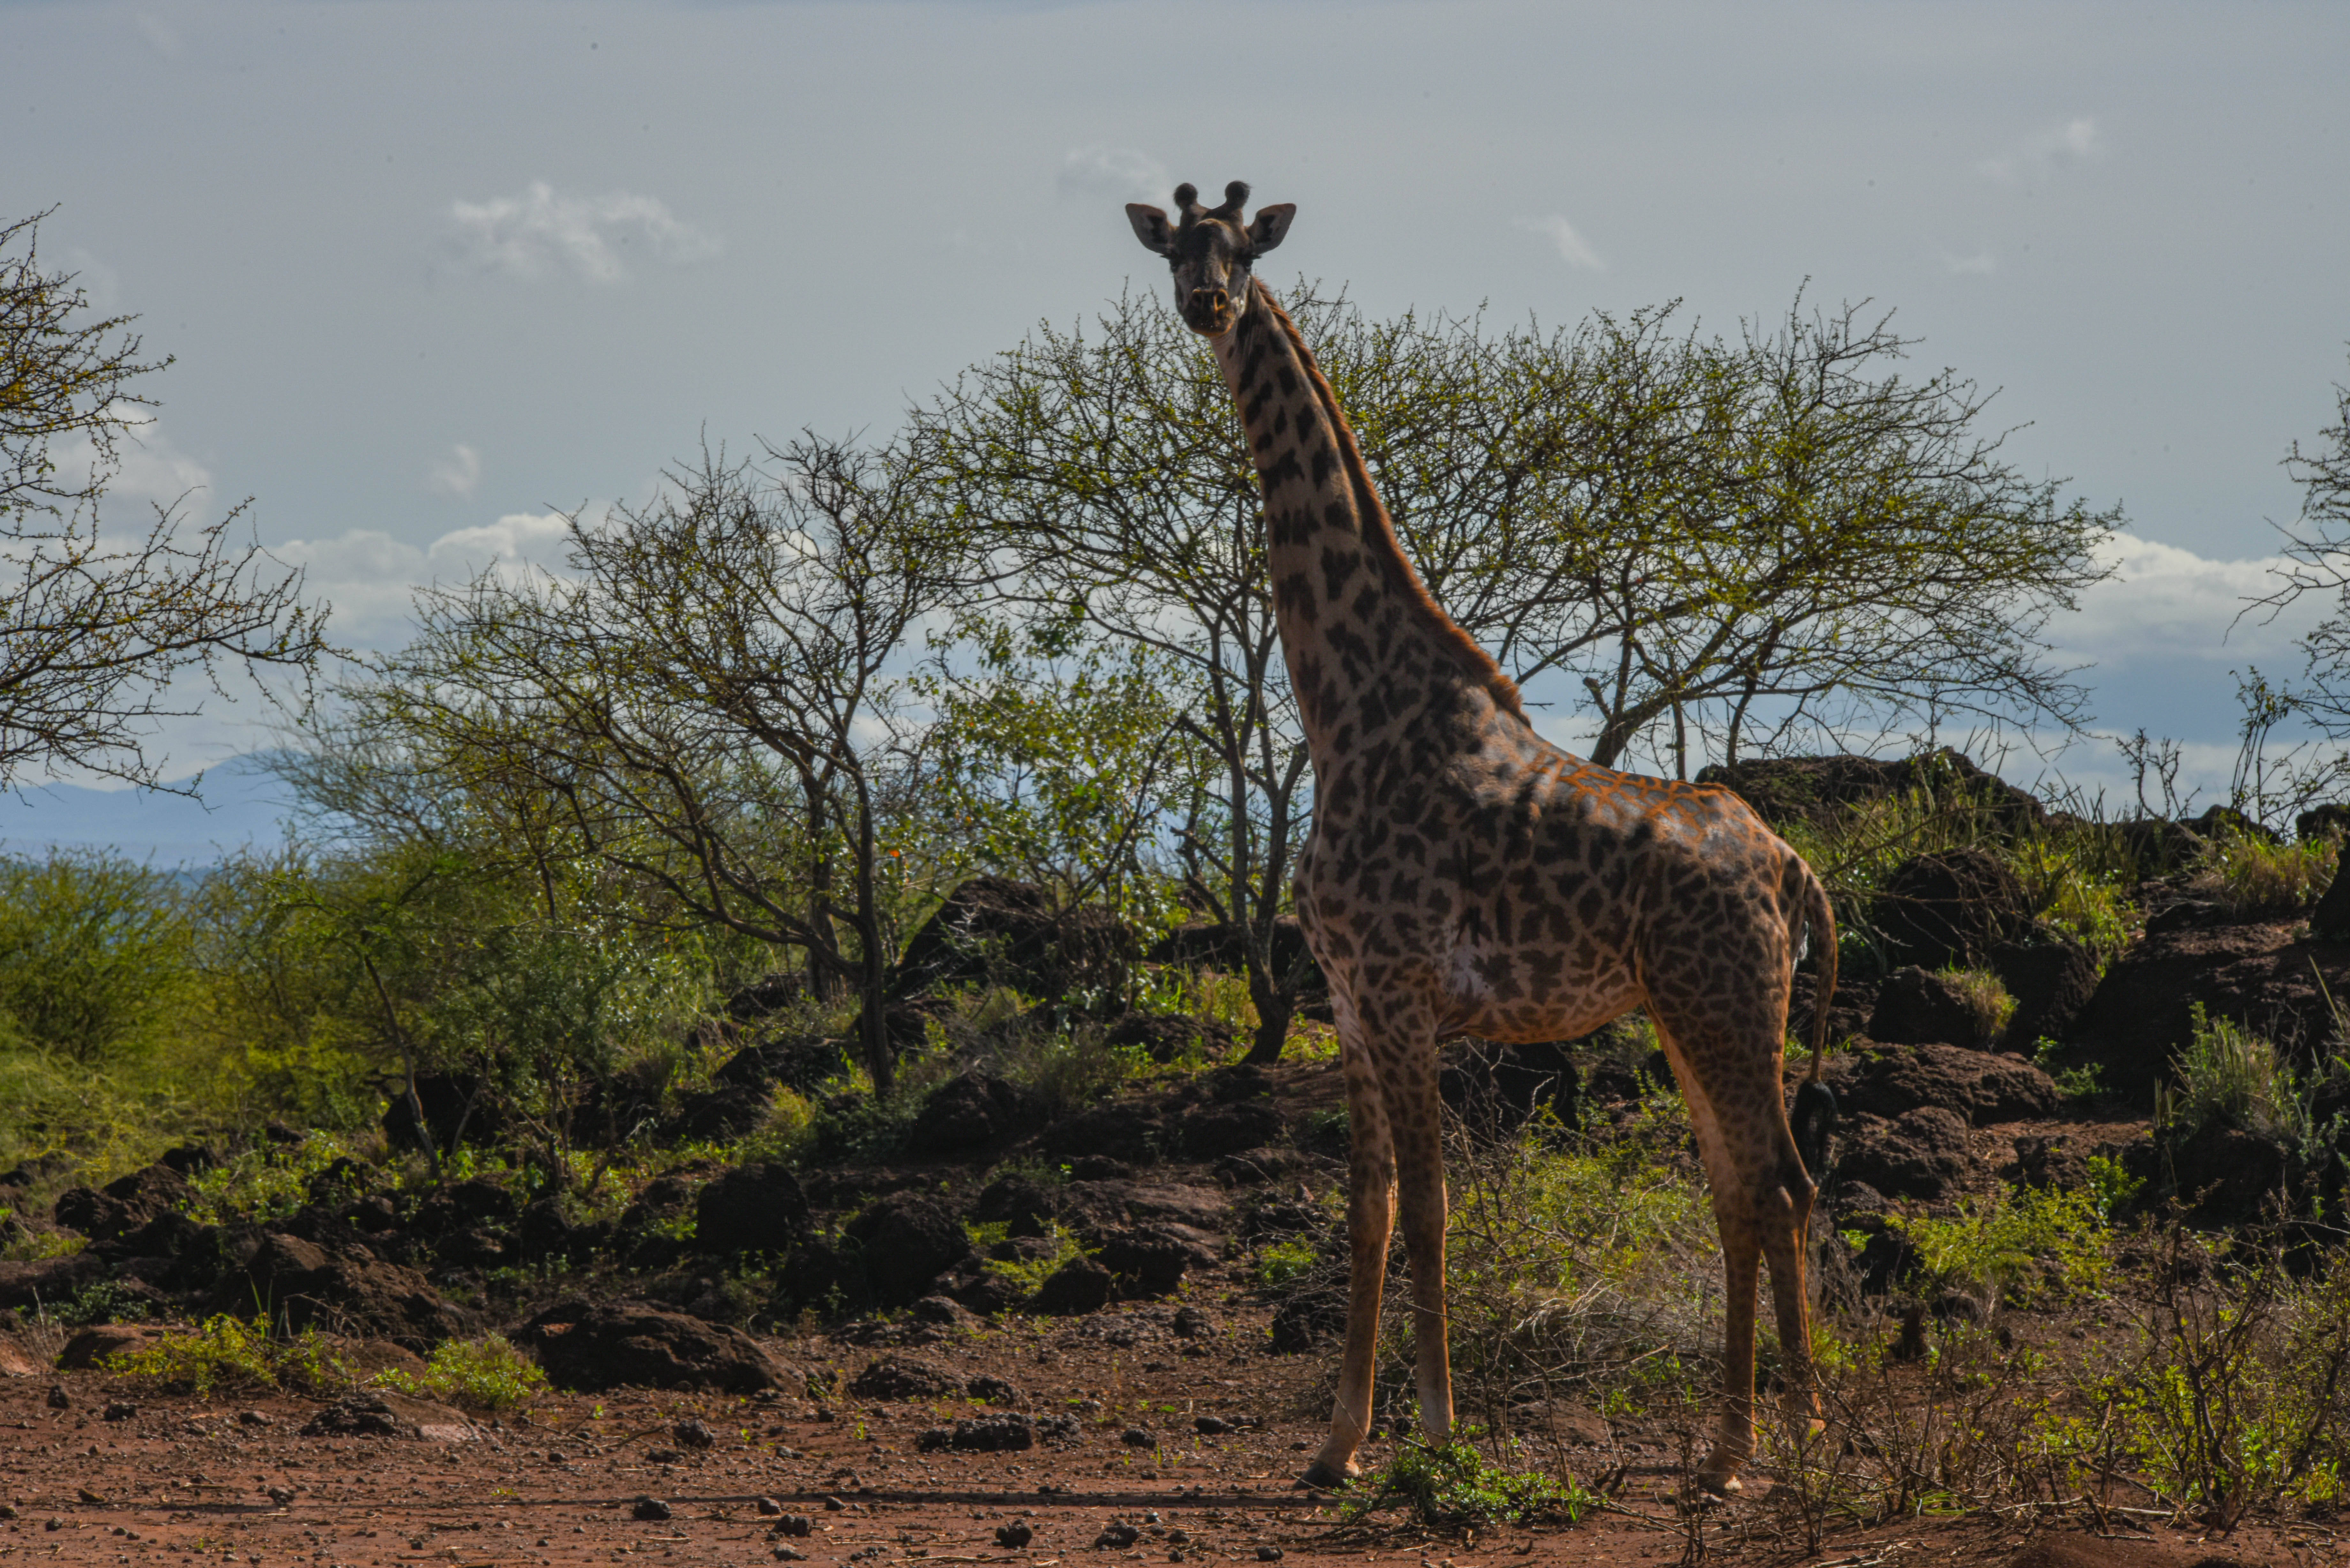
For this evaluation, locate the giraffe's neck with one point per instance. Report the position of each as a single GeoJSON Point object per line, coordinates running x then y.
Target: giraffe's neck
{"type": "Point", "coordinates": [1362, 637]}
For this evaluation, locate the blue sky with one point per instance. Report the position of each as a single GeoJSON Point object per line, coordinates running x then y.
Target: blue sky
{"type": "Point", "coordinates": [430, 271]}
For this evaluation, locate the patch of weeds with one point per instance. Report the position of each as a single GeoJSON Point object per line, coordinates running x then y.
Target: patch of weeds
{"type": "Point", "coordinates": [785, 1136]}
{"type": "Point", "coordinates": [230, 1353]}
{"type": "Point", "coordinates": [2230, 1077]}
{"type": "Point", "coordinates": [1457, 1485]}
{"type": "Point", "coordinates": [2110, 1187]}
{"type": "Point", "coordinates": [1027, 1273]}
{"type": "Point", "coordinates": [2083, 1082]}
{"type": "Point", "coordinates": [102, 1301]}
{"type": "Point", "coordinates": [1281, 1263]}
{"type": "Point", "coordinates": [1984, 996]}
{"type": "Point", "coordinates": [2251, 877]}
{"type": "Point", "coordinates": [269, 1181]}
{"type": "Point", "coordinates": [2024, 1246]}
{"type": "Point", "coordinates": [487, 1374]}
{"type": "Point", "coordinates": [32, 1246]}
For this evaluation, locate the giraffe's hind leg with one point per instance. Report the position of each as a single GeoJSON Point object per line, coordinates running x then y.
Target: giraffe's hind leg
{"type": "Point", "coordinates": [1370, 1220]}
{"type": "Point", "coordinates": [1761, 1200]}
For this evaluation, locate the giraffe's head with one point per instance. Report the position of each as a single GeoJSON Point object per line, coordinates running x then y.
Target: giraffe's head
{"type": "Point", "coordinates": [1210, 252]}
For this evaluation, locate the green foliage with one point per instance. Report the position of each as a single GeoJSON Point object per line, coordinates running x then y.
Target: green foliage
{"type": "Point", "coordinates": [1985, 998]}
{"type": "Point", "coordinates": [2110, 1187]}
{"type": "Point", "coordinates": [2027, 1246]}
{"type": "Point", "coordinates": [230, 1355]}
{"type": "Point", "coordinates": [2237, 1398]}
{"type": "Point", "coordinates": [1281, 1264]}
{"type": "Point", "coordinates": [1027, 1273]}
{"type": "Point", "coordinates": [266, 1181]}
{"type": "Point", "coordinates": [487, 1374]}
{"type": "Point", "coordinates": [2230, 1077]}
{"type": "Point", "coordinates": [1458, 1485]}
{"type": "Point", "coordinates": [2253, 878]}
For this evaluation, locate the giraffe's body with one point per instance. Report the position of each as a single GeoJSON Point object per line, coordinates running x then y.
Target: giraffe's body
{"type": "Point", "coordinates": [1464, 875]}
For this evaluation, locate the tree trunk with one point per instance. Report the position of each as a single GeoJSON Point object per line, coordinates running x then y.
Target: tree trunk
{"type": "Point", "coordinates": [1275, 1006]}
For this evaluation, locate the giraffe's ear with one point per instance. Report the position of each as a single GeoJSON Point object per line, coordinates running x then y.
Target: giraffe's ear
{"type": "Point", "coordinates": [1149, 227]}
{"type": "Point", "coordinates": [1271, 227]}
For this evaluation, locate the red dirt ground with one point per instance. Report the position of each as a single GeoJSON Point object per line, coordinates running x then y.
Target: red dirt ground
{"type": "Point", "coordinates": [187, 1480]}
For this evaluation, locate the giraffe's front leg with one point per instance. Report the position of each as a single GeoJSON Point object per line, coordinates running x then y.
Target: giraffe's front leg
{"type": "Point", "coordinates": [1420, 1181]}
{"type": "Point", "coordinates": [1371, 1217]}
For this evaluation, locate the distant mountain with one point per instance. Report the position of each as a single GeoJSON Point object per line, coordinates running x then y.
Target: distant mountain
{"type": "Point", "coordinates": [240, 804]}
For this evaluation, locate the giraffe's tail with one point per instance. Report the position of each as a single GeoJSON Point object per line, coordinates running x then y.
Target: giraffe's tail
{"type": "Point", "coordinates": [1813, 1120]}
{"type": "Point", "coordinates": [1820, 917]}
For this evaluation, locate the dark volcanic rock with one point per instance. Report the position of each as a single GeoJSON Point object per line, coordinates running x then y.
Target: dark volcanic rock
{"type": "Point", "coordinates": [992, 930]}
{"type": "Point", "coordinates": [588, 1348]}
{"type": "Point", "coordinates": [2259, 976]}
{"type": "Point", "coordinates": [719, 1114]}
{"type": "Point", "coordinates": [2227, 1176]}
{"type": "Point", "coordinates": [1921, 1153]}
{"type": "Point", "coordinates": [1206, 1132]}
{"type": "Point", "coordinates": [43, 1282]}
{"type": "Point", "coordinates": [1815, 790]}
{"type": "Point", "coordinates": [1147, 1262]}
{"type": "Point", "coordinates": [1164, 1036]}
{"type": "Point", "coordinates": [466, 1206]}
{"type": "Point", "coordinates": [1122, 1131]}
{"type": "Point", "coordinates": [373, 1413]}
{"type": "Point", "coordinates": [1974, 1084]}
{"type": "Point", "coordinates": [903, 1377]}
{"type": "Point", "coordinates": [455, 1106]}
{"type": "Point", "coordinates": [2052, 981]}
{"type": "Point", "coordinates": [1925, 1007]}
{"type": "Point", "coordinates": [1497, 1088]}
{"type": "Point", "coordinates": [1223, 945]}
{"type": "Point", "coordinates": [1077, 1287]}
{"type": "Point", "coordinates": [1306, 1320]}
{"type": "Point", "coordinates": [908, 1240]}
{"type": "Point", "coordinates": [124, 1204]}
{"type": "Point", "coordinates": [982, 1435]}
{"type": "Point", "coordinates": [1951, 908]}
{"type": "Point", "coordinates": [300, 1284]}
{"type": "Point", "coordinates": [970, 1111]}
{"type": "Point", "coordinates": [751, 1209]}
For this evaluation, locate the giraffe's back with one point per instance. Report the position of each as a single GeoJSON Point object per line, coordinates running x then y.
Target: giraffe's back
{"type": "Point", "coordinates": [1537, 896]}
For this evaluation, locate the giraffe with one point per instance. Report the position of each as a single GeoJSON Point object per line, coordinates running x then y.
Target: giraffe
{"type": "Point", "coordinates": [1464, 875]}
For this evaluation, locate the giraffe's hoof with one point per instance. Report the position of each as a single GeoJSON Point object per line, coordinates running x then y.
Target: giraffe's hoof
{"type": "Point", "coordinates": [1319, 1477]}
{"type": "Point", "coordinates": [1719, 1482]}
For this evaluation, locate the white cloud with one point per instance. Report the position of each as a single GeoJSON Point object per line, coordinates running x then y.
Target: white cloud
{"type": "Point", "coordinates": [457, 474]}
{"type": "Point", "coordinates": [1982, 264]}
{"type": "Point", "coordinates": [2165, 601]}
{"type": "Point", "coordinates": [2043, 152]}
{"type": "Point", "coordinates": [1572, 247]}
{"type": "Point", "coordinates": [148, 470]}
{"type": "Point", "coordinates": [539, 232]}
{"type": "Point", "coordinates": [372, 577]}
{"type": "Point", "coordinates": [1114, 174]}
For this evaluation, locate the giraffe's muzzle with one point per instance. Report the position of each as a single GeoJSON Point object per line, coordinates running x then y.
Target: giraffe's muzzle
{"type": "Point", "coordinates": [1208, 310]}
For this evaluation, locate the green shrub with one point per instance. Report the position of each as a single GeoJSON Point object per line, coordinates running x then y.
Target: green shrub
{"type": "Point", "coordinates": [1280, 1264]}
{"type": "Point", "coordinates": [1026, 1274]}
{"type": "Point", "coordinates": [2252, 877]}
{"type": "Point", "coordinates": [487, 1374]}
{"type": "Point", "coordinates": [1458, 1485]}
{"type": "Point", "coordinates": [1984, 996]}
{"type": "Point", "coordinates": [2229, 1077]}
{"type": "Point", "coordinates": [2024, 1245]}
{"type": "Point", "coordinates": [228, 1354]}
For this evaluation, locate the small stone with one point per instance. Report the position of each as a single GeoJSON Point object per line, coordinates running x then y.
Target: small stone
{"type": "Point", "coordinates": [1014, 1535]}
{"type": "Point", "coordinates": [554, 1456]}
{"type": "Point", "coordinates": [833, 1505]}
{"type": "Point", "coordinates": [693, 1434]}
{"type": "Point", "coordinates": [768, 1505]}
{"type": "Point", "coordinates": [251, 1419]}
{"type": "Point", "coordinates": [662, 1456]}
{"type": "Point", "coordinates": [120, 1410]}
{"type": "Point", "coordinates": [1116, 1537]}
{"type": "Point", "coordinates": [1138, 1437]}
{"type": "Point", "coordinates": [280, 1496]}
{"type": "Point", "coordinates": [95, 1499]}
{"type": "Point", "coordinates": [1268, 1553]}
{"type": "Point", "coordinates": [798, 1524]}
{"type": "Point", "coordinates": [790, 1554]}
{"type": "Point", "coordinates": [7, 1510]}
{"type": "Point", "coordinates": [1211, 1426]}
{"type": "Point", "coordinates": [58, 1398]}
{"type": "Point", "coordinates": [649, 1509]}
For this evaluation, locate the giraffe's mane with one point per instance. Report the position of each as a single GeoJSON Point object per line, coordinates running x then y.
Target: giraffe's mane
{"type": "Point", "coordinates": [1379, 541]}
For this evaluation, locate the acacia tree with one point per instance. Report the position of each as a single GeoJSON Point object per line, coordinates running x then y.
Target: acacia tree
{"type": "Point", "coordinates": [95, 622]}
{"type": "Point", "coordinates": [1740, 538]}
{"type": "Point", "coordinates": [2316, 560]}
{"type": "Point", "coordinates": [708, 698]}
